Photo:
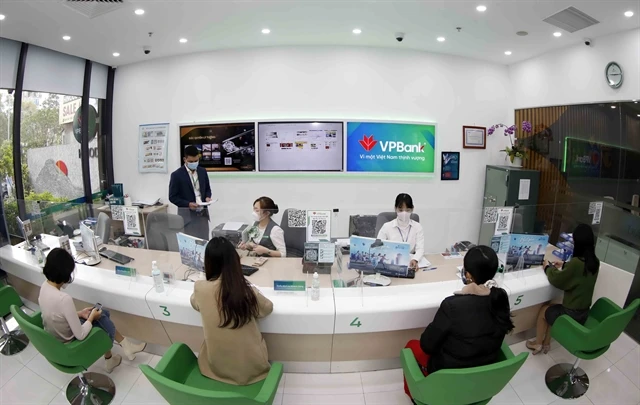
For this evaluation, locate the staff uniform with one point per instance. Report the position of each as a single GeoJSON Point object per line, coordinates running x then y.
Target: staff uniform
{"type": "Point", "coordinates": [412, 233]}
{"type": "Point", "coordinates": [271, 237]}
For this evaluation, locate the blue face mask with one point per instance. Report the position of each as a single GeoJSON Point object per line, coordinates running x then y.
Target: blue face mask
{"type": "Point", "coordinates": [192, 165]}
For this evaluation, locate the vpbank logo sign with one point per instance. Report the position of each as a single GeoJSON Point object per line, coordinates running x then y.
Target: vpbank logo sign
{"type": "Point", "coordinates": [390, 147]}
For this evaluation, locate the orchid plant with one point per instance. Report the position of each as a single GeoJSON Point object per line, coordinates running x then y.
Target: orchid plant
{"type": "Point", "coordinates": [516, 150]}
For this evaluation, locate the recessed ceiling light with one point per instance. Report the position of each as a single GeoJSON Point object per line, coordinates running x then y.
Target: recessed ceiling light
{"type": "Point", "coordinates": [522, 33]}
{"type": "Point", "coordinates": [507, 53]}
{"type": "Point", "coordinates": [357, 31]}
{"type": "Point", "coordinates": [2, 17]}
{"type": "Point", "coordinates": [266, 30]}
{"type": "Point", "coordinates": [557, 34]}
{"type": "Point", "coordinates": [613, 106]}
{"type": "Point", "coordinates": [116, 54]}
{"type": "Point", "coordinates": [638, 115]}
{"type": "Point", "coordinates": [66, 37]}
{"type": "Point", "coordinates": [628, 13]}
{"type": "Point", "coordinates": [441, 39]}
{"type": "Point", "coordinates": [139, 11]}
{"type": "Point", "coordinates": [481, 8]}
{"type": "Point", "coordinates": [183, 40]}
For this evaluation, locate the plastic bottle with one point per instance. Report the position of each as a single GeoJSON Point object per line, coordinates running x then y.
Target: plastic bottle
{"type": "Point", "coordinates": [157, 277]}
{"type": "Point", "coordinates": [39, 256]}
{"type": "Point", "coordinates": [315, 287]}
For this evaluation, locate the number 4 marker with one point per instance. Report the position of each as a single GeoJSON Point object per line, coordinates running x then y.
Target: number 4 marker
{"type": "Point", "coordinates": [356, 322]}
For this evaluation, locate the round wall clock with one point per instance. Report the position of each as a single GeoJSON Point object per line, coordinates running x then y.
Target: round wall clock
{"type": "Point", "coordinates": [614, 75]}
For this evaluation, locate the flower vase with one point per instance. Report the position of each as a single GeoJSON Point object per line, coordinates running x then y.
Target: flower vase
{"type": "Point", "coordinates": [517, 162]}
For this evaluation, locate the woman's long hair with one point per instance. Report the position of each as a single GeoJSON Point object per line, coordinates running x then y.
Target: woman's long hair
{"type": "Point", "coordinates": [584, 247]}
{"type": "Point", "coordinates": [238, 304]}
{"type": "Point", "coordinates": [482, 263]}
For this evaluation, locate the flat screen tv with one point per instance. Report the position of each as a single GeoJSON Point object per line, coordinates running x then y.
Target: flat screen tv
{"type": "Point", "coordinates": [223, 147]}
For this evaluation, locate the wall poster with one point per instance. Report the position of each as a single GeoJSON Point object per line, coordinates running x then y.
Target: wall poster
{"type": "Point", "coordinates": [152, 150]}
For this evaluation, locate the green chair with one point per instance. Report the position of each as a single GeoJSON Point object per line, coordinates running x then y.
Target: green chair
{"type": "Point", "coordinates": [74, 357]}
{"type": "Point", "coordinates": [605, 324]}
{"type": "Point", "coordinates": [464, 386]}
{"type": "Point", "coordinates": [178, 379]}
{"type": "Point", "coordinates": [11, 342]}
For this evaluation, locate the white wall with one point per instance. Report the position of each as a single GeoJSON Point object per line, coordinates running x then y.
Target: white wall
{"type": "Point", "coordinates": [575, 75]}
{"type": "Point", "coordinates": [315, 83]}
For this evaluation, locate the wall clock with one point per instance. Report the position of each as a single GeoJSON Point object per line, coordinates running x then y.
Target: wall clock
{"type": "Point", "coordinates": [614, 75]}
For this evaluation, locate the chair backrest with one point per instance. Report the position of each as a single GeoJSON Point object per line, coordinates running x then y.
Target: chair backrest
{"type": "Point", "coordinates": [8, 297]}
{"type": "Point", "coordinates": [385, 217]}
{"type": "Point", "coordinates": [103, 227]}
{"type": "Point", "coordinates": [161, 231]}
{"type": "Point", "coordinates": [468, 385]}
{"type": "Point", "coordinates": [363, 225]}
{"type": "Point", "coordinates": [294, 237]}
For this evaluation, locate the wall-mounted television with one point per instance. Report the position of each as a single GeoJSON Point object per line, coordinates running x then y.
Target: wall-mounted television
{"type": "Point", "coordinates": [223, 147]}
{"type": "Point", "coordinates": [313, 146]}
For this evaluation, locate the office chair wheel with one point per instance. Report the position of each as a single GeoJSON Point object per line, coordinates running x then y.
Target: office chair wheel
{"type": "Point", "coordinates": [91, 389]}
{"type": "Point", "coordinates": [567, 381]}
{"type": "Point", "coordinates": [13, 343]}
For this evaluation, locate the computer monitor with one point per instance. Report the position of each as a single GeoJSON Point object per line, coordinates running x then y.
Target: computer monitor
{"type": "Point", "coordinates": [191, 251]}
{"type": "Point", "coordinates": [89, 245]}
{"type": "Point", "coordinates": [371, 256]}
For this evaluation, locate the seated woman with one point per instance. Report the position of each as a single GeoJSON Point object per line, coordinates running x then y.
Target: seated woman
{"type": "Point", "coordinates": [404, 229]}
{"type": "Point", "coordinates": [233, 351]}
{"type": "Point", "coordinates": [469, 327]}
{"type": "Point", "coordinates": [577, 278]}
{"type": "Point", "coordinates": [59, 314]}
{"type": "Point", "coordinates": [269, 238]}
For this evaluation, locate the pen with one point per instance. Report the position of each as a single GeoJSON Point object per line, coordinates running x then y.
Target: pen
{"type": "Point", "coordinates": [429, 268]}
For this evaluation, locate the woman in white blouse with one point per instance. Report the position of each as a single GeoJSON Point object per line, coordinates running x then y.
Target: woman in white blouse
{"type": "Point", "coordinates": [265, 237]}
{"type": "Point", "coordinates": [404, 229]}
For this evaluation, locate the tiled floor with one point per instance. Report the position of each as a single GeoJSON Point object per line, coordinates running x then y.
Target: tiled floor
{"type": "Point", "coordinates": [615, 380]}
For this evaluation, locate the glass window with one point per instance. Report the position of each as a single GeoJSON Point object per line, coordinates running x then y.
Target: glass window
{"type": "Point", "coordinates": [7, 179]}
{"type": "Point", "coordinates": [97, 145]}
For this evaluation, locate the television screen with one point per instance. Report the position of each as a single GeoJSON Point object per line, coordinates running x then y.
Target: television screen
{"type": "Point", "coordinates": [223, 147]}
{"type": "Point", "coordinates": [300, 146]}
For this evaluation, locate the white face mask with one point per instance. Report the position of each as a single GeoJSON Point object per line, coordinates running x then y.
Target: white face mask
{"type": "Point", "coordinates": [404, 218]}
{"type": "Point", "coordinates": [256, 216]}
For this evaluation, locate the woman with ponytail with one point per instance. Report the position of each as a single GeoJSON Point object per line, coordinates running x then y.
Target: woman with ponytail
{"type": "Point", "coordinates": [577, 278]}
{"type": "Point", "coordinates": [469, 327]}
{"type": "Point", "coordinates": [233, 350]}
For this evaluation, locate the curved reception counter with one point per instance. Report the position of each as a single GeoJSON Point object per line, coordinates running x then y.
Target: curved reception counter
{"type": "Point", "coordinates": [348, 329]}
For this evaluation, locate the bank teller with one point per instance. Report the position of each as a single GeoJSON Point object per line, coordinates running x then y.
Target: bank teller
{"type": "Point", "coordinates": [404, 229]}
{"type": "Point", "coordinates": [265, 238]}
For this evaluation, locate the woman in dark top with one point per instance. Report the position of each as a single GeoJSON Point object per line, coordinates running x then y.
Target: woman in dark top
{"type": "Point", "coordinates": [469, 327]}
{"type": "Point", "coordinates": [577, 278]}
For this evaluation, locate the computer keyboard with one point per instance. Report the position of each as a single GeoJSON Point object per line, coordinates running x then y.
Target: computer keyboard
{"type": "Point", "coordinates": [115, 256]}
{"type": "Point", "coordinates": [248, 270]}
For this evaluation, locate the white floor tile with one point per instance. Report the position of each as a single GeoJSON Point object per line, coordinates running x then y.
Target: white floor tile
{"type": "Point", "coordinates": [322, 384]}
{"type": "Point", "coordinates": [535, 366]}
{"type": "Point", "coordinates": [352, 399]}
{"type": "Point", "coordinates": [123, 376]}
{"type": "Point", "coordinates": [9, 367]}
{"type": "Point", "coordinates": [613, 388]}
{"type": "Point", "coordinates": [27, 387]}
{"type": "Point", "coordinates": [534, 392]}
{"type": "Point", "coordinates": [620, 348]}
{"type": "Point", "coordinates": [583, 400]}
{"type": "Point", "coordinates": [591, 367]}
{"type": "Point", "coordinates": [141, 358]}
{"type": "Point", "coordinates": [143, 393]}
{"type": "Point", "coordinates": [154, 360]}
{"type": "Point", "coordinates": [60, 399]}
{"type": "Point", "coordinates": [630, 366]}
{"type": "Point", "coordinates": [281, 384]}
{"type": "Point", "coordinates": [278, 399]}
{"type": "Point", "coordinates": [387, 398]}
{"type": "Point", "coordinates": [44, 369]}
{"type": "Point", "coordinates": [506, 397]}
{"type": "Point", "coordinates": [383, 381]}
{"type": "Point", "coordinates": [27, 354]}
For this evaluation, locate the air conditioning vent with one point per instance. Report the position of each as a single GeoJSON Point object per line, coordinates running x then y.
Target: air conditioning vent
{"type": "Point", "coordinates": [94, 8]}
{"type": "Point", "coordinates": [571, 20]}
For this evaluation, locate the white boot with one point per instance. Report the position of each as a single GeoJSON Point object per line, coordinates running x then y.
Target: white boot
{"type": "Point", "coordinates": [113, 362]}
{"type": "Point", "coordinates": [130, 348]}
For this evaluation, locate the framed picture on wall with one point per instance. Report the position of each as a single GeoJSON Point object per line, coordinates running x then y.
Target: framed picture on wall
{"type": "Point", "coordinates": [474, 137]}
{"type": "Point", "coordinates": [450, 166]}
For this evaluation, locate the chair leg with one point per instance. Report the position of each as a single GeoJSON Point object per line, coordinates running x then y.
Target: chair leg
{"type": "Point", "coordinates": [567, 381]}
{"type": "Point", "coordinates": [91, 389]}
{"type": "Point", "coordinates": [12, 342]}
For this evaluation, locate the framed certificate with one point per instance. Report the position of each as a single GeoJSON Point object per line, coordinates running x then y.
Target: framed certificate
{"type": "Point", "coordinates": [474, 137]}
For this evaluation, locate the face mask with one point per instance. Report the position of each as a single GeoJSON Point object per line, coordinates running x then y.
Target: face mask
{"type": "Point", "coordinates": [192, 165]}
{"type": "Point", "coordinates": [255, 216]}
{"type": "Point", "coordinates": [404, 218]}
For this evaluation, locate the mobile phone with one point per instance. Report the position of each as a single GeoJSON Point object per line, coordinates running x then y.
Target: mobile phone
{"type": "Point", "coordinates": [98, 306]}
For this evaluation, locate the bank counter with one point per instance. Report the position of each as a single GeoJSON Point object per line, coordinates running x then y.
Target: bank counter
{"type": "Point", "coordinates": [348, 329]}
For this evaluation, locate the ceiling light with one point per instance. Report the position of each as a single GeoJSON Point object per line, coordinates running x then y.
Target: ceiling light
{"type": "Point", "coordinates": [139, 11]}
{"type": "Point", "coordinates": [357, 31]}
{"type": "Point", "coordinates": [557, 34]}
{"type": "Point", "coordinates": [638, 115]}
{"type": "Point", "coordinates": [116, 54]}
{"type": "Point", "coordinates": [628, 13]}
{"type": "Point", "coordinates": [266, 31]}
{"type": "Point", "coordinates": [66, 37]}
{"type": "Point", "coordinates": [2, 17]}
{"type": "Point", "coordinates": [613, 106]}
{"type": "Point", "coordinates": [441, 39]}
{"type": "Point", "coordinates": [522, 33]}
{"type": "Point", "coordinates": [481, 8]}
{"type": "Point", "coordinates": [507, 53]}
{"type": "Point", "coordinates": [183, 40]}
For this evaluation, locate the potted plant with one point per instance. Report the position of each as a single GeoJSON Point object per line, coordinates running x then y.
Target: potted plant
{"type": "Point", "coordinates": [516, 152]}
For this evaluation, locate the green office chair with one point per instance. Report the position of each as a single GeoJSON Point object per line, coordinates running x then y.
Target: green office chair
{"type": "Point", "coordinates": [11, 342]}
{"type": "Point", "coordinates": [464, 386]}
{"type": "Point", "coordinates": [74, 357]}
{"type": "Point", "coordinates": [605, 324]}
{"type": "Point", "coordinates": [178, 379]}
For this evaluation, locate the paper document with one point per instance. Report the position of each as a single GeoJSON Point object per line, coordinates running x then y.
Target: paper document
{"type": "Point", "coordinates": [206, 204]}
{"type": "Point", "coordinates": [423, 263]}
{"type": "Point", "coordinates": [343, 242]}
{"type": "Point", "coordinates": [232, 226]}
{"type": "Point", "coordinates": [146, 202]}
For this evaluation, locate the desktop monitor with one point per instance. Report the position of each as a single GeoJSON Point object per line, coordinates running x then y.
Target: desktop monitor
{"type": "Point", "coordinates": [191, 251]}
{"type": "Point", "coordinates": [89, 245]}
{"type": "Point", "coordinates": [371, 256]}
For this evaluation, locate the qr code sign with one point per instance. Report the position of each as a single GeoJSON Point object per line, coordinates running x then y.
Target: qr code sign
{"type": "Point", "coordinates": [297, 218]}
{"type": "Point", "coordinates": [490, 216]}
{"type": "Point", "coordinates": [318, 227]}
{"type": "Point", "coordinates": [132, 220]}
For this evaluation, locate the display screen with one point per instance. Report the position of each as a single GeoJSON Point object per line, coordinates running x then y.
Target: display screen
{"type": "Point", "coordinates": [223, 147]}
{"type": "Point", "coordinates": [300, 146]}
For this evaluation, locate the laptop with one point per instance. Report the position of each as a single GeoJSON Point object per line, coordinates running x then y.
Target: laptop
{"type": "Point", "coordinates": [388, 258]}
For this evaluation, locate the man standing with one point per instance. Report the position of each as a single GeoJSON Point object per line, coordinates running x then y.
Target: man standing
{"type": "Point", "coordinates": [189, 186]}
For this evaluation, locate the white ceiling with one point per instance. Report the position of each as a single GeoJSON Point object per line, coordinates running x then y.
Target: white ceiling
{"type": "Point", "coordinates": [211, 25]}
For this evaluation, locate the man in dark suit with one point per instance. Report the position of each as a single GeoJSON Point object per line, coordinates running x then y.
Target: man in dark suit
{"type": "Point", "coordinates": [189, 186]}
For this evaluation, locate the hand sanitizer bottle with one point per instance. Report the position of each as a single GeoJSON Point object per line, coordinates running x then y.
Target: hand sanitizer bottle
{"type": "Point", "coordinates": [157, 277]}
{"type": "Point", "coordinates": [315, 287]}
